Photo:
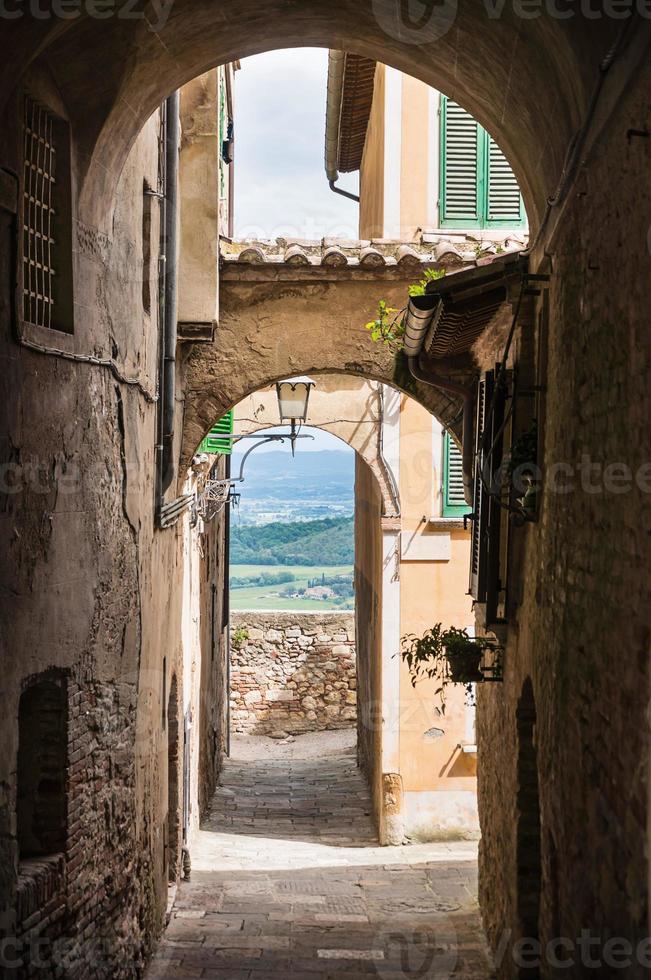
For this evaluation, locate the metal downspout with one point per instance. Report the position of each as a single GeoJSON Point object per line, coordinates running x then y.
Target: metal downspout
{"type": "Point", "coordinates": [336, 70]}
{"type": "Point", "coordinates": [168, 387]}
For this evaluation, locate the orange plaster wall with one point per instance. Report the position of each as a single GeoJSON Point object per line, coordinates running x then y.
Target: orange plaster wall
{"type": "Point", "coordinates": [431, 591]}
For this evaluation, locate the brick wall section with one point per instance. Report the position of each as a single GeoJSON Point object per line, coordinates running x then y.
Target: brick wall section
{"type": "Point", "coordinates": [582, 629]}
{"type": "Point", "coordinates": [294, 673]}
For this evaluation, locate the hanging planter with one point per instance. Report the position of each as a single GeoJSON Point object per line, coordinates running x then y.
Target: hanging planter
{"type": "Point", "coordinates": [524, 473]}
{"type": "Point", "coordinates": [464, 666]}
{"type": "Point", "coordinates": [449, 656]}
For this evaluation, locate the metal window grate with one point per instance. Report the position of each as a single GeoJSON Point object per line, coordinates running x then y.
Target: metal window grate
{"type": "Point", "coordinates": [38, 215]}
{"type": "Point", "coordinates": [47, 220]}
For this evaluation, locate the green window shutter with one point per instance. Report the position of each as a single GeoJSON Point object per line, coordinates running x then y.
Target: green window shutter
{"type": "Point", "coordinates": [461, 169]}
{"type": "Point", "coordinates": [217, 440]}
{"type": "Point", "coordinates": [503, 201]}
{"type": "Point", "coordinates": [454, 501]}
{"type": "Point", "coordinates": [478, 187]}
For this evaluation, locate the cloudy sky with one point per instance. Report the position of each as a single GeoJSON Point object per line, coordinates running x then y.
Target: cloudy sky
{"type": "Point", "coordinates": [280, 182]}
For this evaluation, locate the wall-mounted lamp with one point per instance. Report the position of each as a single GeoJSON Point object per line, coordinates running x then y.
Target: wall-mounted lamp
{"type": "Point", "coordinates": [293, 397]}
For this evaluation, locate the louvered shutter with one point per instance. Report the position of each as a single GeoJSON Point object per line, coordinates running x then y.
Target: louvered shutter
{"type": "Point", "coordinates": [454, 502]}
{"type": "Point", "coordinates": [217, 440]}
{"type": "Point", "coordinates": [503, 198]}
{"type": "Point", "coordinates": [478, 551]}
{"type": "Point", "coordinates": [460, 166]}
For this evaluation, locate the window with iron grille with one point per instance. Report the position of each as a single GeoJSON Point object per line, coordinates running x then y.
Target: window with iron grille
{"type": "Point", "coordinates": [47, 220]}
{"type": "Point", "coordinates": [454, 500]}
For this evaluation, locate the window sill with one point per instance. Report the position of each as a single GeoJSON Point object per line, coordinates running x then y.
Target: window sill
{"type": "Point", "coordinates": [446, 524]}
{"type": "Point", "coordinates": [40, 879]}
{"type": "Point", "coordinates": [50, 337]}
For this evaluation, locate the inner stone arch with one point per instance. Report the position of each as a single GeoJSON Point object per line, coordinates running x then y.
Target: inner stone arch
{"type": "Point", "coordinates": [352, 409]}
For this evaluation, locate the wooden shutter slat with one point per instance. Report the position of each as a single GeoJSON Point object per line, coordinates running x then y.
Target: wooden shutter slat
{"type": "Point", "coordinates": [215, 441]}
{"type": "Point", "coordinates": [460, 156]}
{"type": "Point", "coordinates": [478, 551]}
{"type": "Point", "coordinates": [454, 501]}
{"type": "Point", "coordinates": [504, 201]}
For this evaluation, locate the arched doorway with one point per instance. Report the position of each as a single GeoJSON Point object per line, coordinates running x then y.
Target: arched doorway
{"type": "Point", "coordinates": [409, 571]}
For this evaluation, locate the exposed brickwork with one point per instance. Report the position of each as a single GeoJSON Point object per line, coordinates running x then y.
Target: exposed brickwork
{"type": "Point", "coordinates": [295, 672]}
{"type": "Point", "coordinates": [582, 629]}
{"type": "Point", "coordinates": [174, 779]}
{"type": "Point", "coordinates": [77, 594]}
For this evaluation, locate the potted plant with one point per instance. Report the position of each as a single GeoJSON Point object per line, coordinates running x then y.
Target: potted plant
{"type": "Point", "coordinates": [448, 655]}
{"type": "Point", "coordinates": [523, 469]}
{"type": "Point", "coordinates": [463, 655]}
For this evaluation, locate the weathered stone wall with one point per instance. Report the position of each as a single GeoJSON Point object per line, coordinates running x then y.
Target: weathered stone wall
{"type": "Point", "coordinates": [292, 672]}
{"type": "Point", "coordinates": [90, 591]}
{"type": "Point", "coordinates": [581, 634]}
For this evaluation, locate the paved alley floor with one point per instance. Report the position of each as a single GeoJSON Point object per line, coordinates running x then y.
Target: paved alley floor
{"type": "Point", "coordinates": [288, 881]}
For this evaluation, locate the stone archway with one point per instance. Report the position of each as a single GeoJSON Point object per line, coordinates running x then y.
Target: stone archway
{"type": "Point", "coordinates": [584, 578]}
{"type": "Point", "coordinates": [513, 74]}
{"type": "Point", "coordinates": [350, 408]}
{"type": "Point", "coordinates": [286, 320]}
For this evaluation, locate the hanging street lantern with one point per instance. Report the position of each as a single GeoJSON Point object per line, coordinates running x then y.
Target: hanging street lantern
{"type": "Point", "coordinates": [293, 397]}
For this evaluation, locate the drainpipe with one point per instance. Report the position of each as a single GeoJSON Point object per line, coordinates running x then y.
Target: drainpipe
{"type": "Point", "coordinates": [336, 71]}
{"type": "Point", "coordinates": [168, 386]}
{"type": "Point", "coordinates": [420, 316]}
{"type": "Point", "coordinates": [230, 100]}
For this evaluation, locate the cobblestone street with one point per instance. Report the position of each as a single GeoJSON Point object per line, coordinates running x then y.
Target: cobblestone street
{"type": "Point", "coordinates": [288, 881]}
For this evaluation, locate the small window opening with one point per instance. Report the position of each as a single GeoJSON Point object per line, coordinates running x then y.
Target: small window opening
{"type": "Point", "coordinates": [47, 220]}
{"type": "Point", "coordinates": [42, 763]}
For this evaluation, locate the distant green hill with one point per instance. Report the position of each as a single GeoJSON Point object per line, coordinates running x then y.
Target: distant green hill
{"type": "Point", "coordinates": [327, 542]}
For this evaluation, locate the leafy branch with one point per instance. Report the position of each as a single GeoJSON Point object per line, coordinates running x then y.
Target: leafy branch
{"type": "Point", "coordinates": [448, 656]}
{"type": "Point", "coordinates": [388, 327]}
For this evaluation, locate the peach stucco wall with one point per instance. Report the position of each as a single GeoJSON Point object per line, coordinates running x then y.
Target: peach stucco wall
{"type": "Point", "coordinates": [371, 175]}
{"type": "Point", "coordinates": [438, 778]}
{"type": "Point", "coordinates": [415, 161]}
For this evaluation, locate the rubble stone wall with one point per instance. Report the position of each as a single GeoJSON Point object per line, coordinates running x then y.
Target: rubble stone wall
{"type": "Point", "coordinates": [292, 672]}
